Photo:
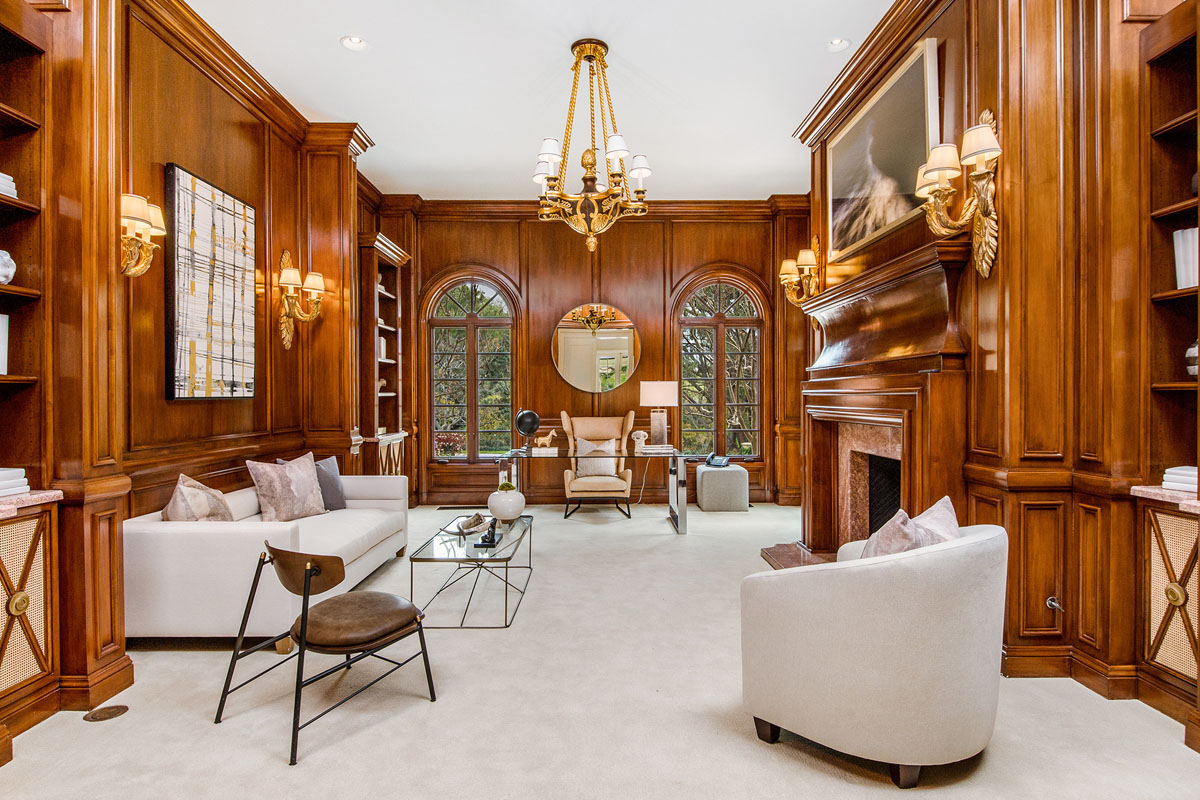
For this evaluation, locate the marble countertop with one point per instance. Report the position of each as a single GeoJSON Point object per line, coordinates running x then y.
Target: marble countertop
{"type": "Point", "coordinates": [10, 505]}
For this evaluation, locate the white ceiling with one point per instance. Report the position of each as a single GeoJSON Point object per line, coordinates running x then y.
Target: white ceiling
{"type": "Point", "coordinates": [457, 94]}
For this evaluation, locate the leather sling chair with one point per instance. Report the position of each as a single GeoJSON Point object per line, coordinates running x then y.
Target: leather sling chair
{"type": "Point", "coordinates": [355, 624]}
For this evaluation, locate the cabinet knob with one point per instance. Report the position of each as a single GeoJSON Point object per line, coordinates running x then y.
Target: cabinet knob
{"type": "Point", "coordinates": [1052, 602]}
{"type": "Point", "coordinates": [18, 603]}
{"type": "Point", "coordinates": [1176, 594]}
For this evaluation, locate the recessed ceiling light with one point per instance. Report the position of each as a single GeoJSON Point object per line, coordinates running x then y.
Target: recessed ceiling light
{"type": "Point", "coordinates": [355, 43]}
{"type": "Point", "coordinates": [833, 45]}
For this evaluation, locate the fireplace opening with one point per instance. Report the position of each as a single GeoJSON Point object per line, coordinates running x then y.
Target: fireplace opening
{"type": "Point", "coordinates": [883, 490]}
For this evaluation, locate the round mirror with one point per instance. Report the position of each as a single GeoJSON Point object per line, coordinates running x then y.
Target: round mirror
{"type": "Point", "coordinates": [596, 347]}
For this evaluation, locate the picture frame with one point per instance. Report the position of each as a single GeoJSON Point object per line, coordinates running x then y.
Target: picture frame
{"type": "Point", "coordinates": [210, 280]}
{"type": "Point", "coordinates": [870, 178]}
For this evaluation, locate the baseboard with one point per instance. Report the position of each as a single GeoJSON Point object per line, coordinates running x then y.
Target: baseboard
{"type": "Point", "coordinates": [37, 702]}
{"type": "Point", "coordinates": [1164, 697]}
{"type": "Point", "coordinates": [85, 692]}
{"type": "Point", "coordinates": [1023, 661]}
{"type": "Point", "coordinates": [5, 746]}
{"type": "Point", "coordinates": [1114, 683]}
{"type": "Point", "coordinates": [1191, 732]}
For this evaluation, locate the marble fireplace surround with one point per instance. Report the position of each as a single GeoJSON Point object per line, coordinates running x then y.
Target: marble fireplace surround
{"type": "Point", "coordinates": [855, 442]}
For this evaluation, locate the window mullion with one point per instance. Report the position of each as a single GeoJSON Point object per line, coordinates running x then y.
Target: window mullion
{"type": "Point", "coordinates": [719, 390]}
{"type": "Point", "coordinates": [472, 395]}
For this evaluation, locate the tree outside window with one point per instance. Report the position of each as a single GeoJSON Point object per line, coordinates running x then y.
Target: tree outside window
{"type": "Point", "coordinates": [471, 356]}
{"type": "Point", "coordinates": [720, 372]}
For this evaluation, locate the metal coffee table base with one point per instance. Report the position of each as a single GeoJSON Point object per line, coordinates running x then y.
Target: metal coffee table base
{"type": "Point", "coordinates": [477, 569]}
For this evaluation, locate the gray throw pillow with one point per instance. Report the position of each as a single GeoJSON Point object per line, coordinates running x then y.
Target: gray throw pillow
{"type": "Point", "coordinates": [333, 494]}
{"type": "Point", "coordinates": [900, 533]}
{"type": "Point", "coordinates": [287, 491]}
{"type": "Point", "coordinates": [598, 464]}
{"type": "Point", "coordinates": [192, 501]}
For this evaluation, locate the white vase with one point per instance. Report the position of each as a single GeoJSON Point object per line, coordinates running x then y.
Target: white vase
{"type": "Point", "coordinates": [506, 506]}
{"type": "Point", "coordinates": [8, 267]}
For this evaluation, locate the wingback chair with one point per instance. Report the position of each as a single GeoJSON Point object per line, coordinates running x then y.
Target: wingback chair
{"type": "Point", "coordinates": [894, 658]}
{"type": "Point", "coordinates": [598, 487]}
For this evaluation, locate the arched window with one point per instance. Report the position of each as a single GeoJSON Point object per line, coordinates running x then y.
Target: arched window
{"type": "Point", "coordinates": [720, 372]}
{"type": "Point", "coordinates": [471, 372]}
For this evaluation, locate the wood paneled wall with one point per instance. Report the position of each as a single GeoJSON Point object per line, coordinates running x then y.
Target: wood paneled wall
{"type": "Point", "coordinates": [1053, 442]}
{"type": "Point", "coordinates": [644, 267]}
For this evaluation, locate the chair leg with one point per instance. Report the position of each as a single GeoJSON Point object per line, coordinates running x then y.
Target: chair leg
{"type": "Point", "coordinates": [285, 646]}
{"type": "Point", "coordinates": [237, 646]}
{"type": "Point", "coordinates": [904, 775]}
{"type": "Point", "coordinates": [425, 656]}
{"type": "Point", "coordinates": [766, 731]}
{"type": "Point", "coordinates": [569, 511]}
{"type": "Point", "coordinates": [624, 510]}
{"type": "Point", "coordinates": [348, 667]}
{"type": "Point", "coordinates": [296, 707]}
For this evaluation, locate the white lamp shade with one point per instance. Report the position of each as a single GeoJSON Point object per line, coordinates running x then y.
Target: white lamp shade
{"type": "Point", "coordinates": [788, 269]}
{"type": "Point", "coordinates": [979, 144]}
{"type": "Point", "coordinates": [924, 182]}
{"type": "Point", "coordinates": [616, 147]}
{"type": "Point", "coordinates": [314, 282]}
{"type": "Point", "coordinates": [551, 150]}
{"type": "Point", "coordinates": [640, 167]}
{"type": "Point", "coordinates": [601, 187]}
{"type": "Point", "coordinates": [806, 259]}
{"type": "Point", "coordinates": [541, 172]}
{"type": "Point", "coordinates": [659, 394]}
{"type": "Point", "coordinates": [157, 226]}
{"type": "Point", "coordinates": [134, 210]}
{"type": "Point", "coordinates": [943, 162]}
{"type": "Point", "coordinates": [289, 277]}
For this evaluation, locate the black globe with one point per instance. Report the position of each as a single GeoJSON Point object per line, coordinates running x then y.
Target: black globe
{"type": "Point", "coordinates": [528, 422]}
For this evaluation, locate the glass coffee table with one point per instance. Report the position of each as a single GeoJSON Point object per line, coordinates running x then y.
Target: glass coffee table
{"type": "Point", "coordinates": [448, 546]}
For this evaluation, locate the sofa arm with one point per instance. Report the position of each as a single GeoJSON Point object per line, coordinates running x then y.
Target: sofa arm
{"type": "Point", "coordinates": [376, 491]}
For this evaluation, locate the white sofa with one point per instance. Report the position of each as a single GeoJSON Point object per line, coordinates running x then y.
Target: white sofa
{"type": "Point", "coordinates": [894, 658]}
{"type": "Point", "coordinates": [192, 578]}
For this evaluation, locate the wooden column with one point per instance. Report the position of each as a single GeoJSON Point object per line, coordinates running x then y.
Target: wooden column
{"type": "Point", "coordinates": [330, 382]}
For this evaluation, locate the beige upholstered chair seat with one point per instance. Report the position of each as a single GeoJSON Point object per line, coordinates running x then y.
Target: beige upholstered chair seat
{"type": "Point", "coordinates": [598, 487]}
{"type": "Point", "coordinates": [598, 483]}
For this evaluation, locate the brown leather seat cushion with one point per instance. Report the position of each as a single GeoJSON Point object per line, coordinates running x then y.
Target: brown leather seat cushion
{"type": "Point", "coordinates": [357, 618]}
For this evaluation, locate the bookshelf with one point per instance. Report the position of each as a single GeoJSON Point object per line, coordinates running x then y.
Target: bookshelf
{"type": "Point", "coordinates": [380, 263]}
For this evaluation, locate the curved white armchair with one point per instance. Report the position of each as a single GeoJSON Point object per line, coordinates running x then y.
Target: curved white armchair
{"type": "Point", "coordinates": [893, 659]}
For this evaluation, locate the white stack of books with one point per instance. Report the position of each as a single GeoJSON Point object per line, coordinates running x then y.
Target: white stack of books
{"type": "Point", "coordinates": [1181, 479]}
{"type": "Point", "coordinates": [13, 481]}
{"type": "Point", "coordinates": [656, 449]}
{"type": "Point", "coordinates": [8, 187]}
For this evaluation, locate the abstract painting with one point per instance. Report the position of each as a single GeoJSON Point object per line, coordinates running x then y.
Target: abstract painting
{"type": "Point", "coordinates": [873, 161]}
{"type": "Point", "coordinates": [210, 290]}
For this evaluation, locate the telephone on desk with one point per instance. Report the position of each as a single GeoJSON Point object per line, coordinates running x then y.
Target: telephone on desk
{"type": "Point", "coordinates": [714, 460]}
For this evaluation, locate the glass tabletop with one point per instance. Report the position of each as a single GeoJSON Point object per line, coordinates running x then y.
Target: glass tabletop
{"type": "Point", "coordinates": [649, 451]}
{"type": "Point", "coordinates": [449, 545]}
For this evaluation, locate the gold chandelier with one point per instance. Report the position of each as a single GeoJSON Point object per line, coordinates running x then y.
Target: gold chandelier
{"type": "Point", "coordinates": [598, 205]}
{"type": "Point", "coordinates": [595, 318]}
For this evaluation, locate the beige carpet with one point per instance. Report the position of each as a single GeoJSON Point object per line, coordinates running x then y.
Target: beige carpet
{"type": "Point", "coordinates": [619, 678]}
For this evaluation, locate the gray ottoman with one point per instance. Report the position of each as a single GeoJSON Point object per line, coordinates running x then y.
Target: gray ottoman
{"type": "Point", "coordinates": [722, 488]}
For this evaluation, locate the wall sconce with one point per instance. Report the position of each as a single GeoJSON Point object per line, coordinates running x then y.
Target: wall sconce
{"type": "Point", "coordinates": [289, 283]}
{"type": "Point", "coordinates": [139, 221]}
{"type": "Point", "coordinates": [801, 276]}
{"type": "Point", "coordinates": [980, 151]}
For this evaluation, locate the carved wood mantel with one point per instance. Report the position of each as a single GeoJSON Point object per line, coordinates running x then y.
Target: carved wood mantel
{"type": "Point", "coordinates": [893, 356]}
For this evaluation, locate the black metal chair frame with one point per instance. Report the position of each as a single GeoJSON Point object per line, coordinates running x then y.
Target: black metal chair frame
{"type": "Point", "coordinates": [310, 572]}
{"type": "Point", "coordinates": [616, 501]}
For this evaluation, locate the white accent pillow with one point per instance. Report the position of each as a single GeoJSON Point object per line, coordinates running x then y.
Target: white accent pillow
{"type": "Point", "coordinates": [192, 501]}
{"type": "Point", "coordinates": [287, 491]}
{"type": "Point", "coordinates": [937, 524]}
{"type": "Point", "coordinates": [596, 465]}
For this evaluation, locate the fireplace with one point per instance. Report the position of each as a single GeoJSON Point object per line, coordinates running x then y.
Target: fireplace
{"type": "Point", "coordinates": [885, 403]}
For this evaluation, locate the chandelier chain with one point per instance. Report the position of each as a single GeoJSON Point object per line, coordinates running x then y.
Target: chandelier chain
{"type": "Point", "coordinates": [612, 113]}
{"type": "Point", "coordinates": [566, 144]}
{"type": "Point", "coordinates": [592, 100]}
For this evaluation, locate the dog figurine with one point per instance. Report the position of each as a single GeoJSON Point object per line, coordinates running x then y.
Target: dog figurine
{"type": "Point", "coordinates": [544, 441]}
{"type": "Point", "coordinates": [639, 439]}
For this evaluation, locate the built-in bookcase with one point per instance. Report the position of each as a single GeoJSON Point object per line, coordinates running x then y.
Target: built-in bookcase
{"type": "Point", "coordinates": [380, 263]}
{"type": "Point", "coordinates": [24, 38]}
{"type": "Point", "coordinates": [1169, 112]}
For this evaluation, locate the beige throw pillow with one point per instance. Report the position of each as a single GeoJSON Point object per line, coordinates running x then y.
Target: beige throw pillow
{"type": "Point", "coordinates": [598, 464]}
{"type": "Point", "coordinates": [287, 491]}
{"type": "Point", "coordinates": [900, 533]}
{"type": "Point", "coordinates": [192, 501]}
